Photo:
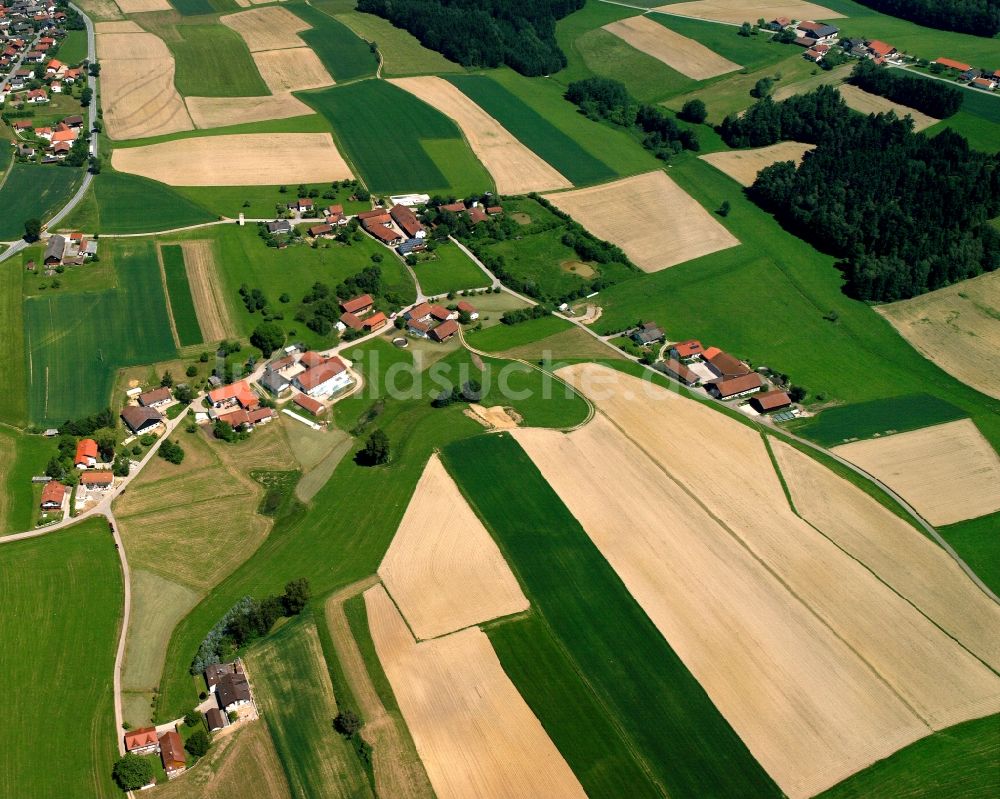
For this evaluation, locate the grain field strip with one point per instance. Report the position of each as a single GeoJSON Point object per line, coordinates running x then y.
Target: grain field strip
{"type": "Point", "coordinates": [206, 290]}
{"type": "Point", "coordinates": [166, 297]}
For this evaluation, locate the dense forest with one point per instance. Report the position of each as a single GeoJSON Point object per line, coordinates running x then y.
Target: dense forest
{"type": "Point", "coordinates": [484, 33]}
{"type": "Point", "coordinates": [907, 213]}
{"type": "Point", "coordinates": [931, 97]}
{"type": "Point", "coordinates": [978, 17]}
{"type": "Point", "coordinates": [603, 98]}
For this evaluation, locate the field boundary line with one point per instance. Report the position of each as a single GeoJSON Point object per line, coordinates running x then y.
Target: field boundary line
{"type": "Point", "coordinates": [166, 295]}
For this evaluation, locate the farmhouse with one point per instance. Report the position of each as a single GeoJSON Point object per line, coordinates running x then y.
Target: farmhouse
{"type": "Point", "coordinates": [417, 328]}
{"type": "Point", "coordinates": [335, 215]}
{"type": "Point", "coordinates": [376, 322]}
{"type": "Point", "coordinates": [407, 221]}
{"type": "Point", "coordinates": [279, 227]}
{"type": "Point", "coordinates": [989, 84]}
{"type": "Point", "coordinates": [723, 364]}
{"type": "Point", "coordinates": [316, 231]}
{"type": "Point", "coordinates": [232, 395]}
{"type": "Point", "coordinates": [302, 204]}
{"type": "Point", "coordinates": [324, 379]}
{"type": "Point", "coordinates": [215, 719]}
{"type": "Point", "coordinates": [816, 32]}
{"type": "Point", "coordinates": [675, 369]}
{"type": "Point", "coordinates": [142, 741]}
{"type": "Point", "coordinates": [730, 387]}
{"type": "Point", "coordinates": [770, 401]}
{"type": "Point", "coordinates": [53, 493]}
{"type": "Point", "coordinates": [172, 754]}
{"type": "Point", "coordinates": [441, 314]}
{"type": "Point", "coordinates": [54, 251]}
{"type": "Point", "coordinates": [444, 331]}
{"type": "Point", "coordinates": [215, 672]}
{"type": "Point", "coordinates": [878, 49]}
{"type": "Point", "coordinates": [468, 308]}
{"type": "Point", "coordinates": [315, 407]}
{"type": "Point", "coordinates": [453, 208]}
{"type": "Point", "coordinates": [418, 313]}
{"type": "Point", "coordinates": [349, 320]}
{"type": "Point", "coordinates": [477, 215]}
{"type": "Point", "coordinates": [155, 398]}
{"type": "Point", "coordinates": [686, 349]}
{"type": "Point", "coordinates": [86, 453]}
{"type": "Point", "coordinates": [646, 333]}
{"type": "Point", "coordinates": [274, 381]}
{"type": "Point", "coordinates": [233, 691]}
{"type": "Point", "coordinates": [240, 418]}
{"type": "Point", "coordinates": [950, 63]}
{"type": "Point", "coordinates": [97, 480]}
{"type": "Point", "coordinates": [311, 359]}
{"type": "Point", "coordinates": [358, 306]}
{"type": "Point", "coordinates": [139, 420]}
{"type": "Point", "coordinates": [386, 235]}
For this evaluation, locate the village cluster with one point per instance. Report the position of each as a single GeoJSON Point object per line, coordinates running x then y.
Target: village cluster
{"type": "Point", "coordinates": [819, 37]}
{"type": "Point", "coordinates": [721, 375]}
{"type": "Point", "coordinates": [229, 703]}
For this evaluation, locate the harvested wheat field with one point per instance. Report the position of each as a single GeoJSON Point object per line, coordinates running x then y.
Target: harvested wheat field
{"type": "Point", "coordinates": [687, 56]}
{"type": "Point", "coordinates": [820, 667]}
{"type": "Point", "coordinates": [867, 103]}
{"type": "Point", "coordinates": [743, 165]}
{"type": "Point", "coordinates": [142, 6]}
{"type": "Point", "coordinates": [100, 9]}
{"type": "Point", "coordinates": [956, 328]}
{"type": "Point", "coordinates": [137, 87]}
{"type": "Point", "coordinates": [242, 765]}
{"type": "Point", "coordinates": [206, 290]}
{"type": "Point", "coordinates": [908, 561]}
{"type": "Point", "coordinates": [271, 28]}
{"type": "Point", "coordinates": [675, 228]}
{"type": "Point", "coordinates": [496, 417]}
{"type": "Point", "coordinates": [443, 569]}
{"type": "Point", "coordinates": [248, 159]}
{"type": "Point", "coordinates": [948, 472]}
{"type": "Point", "coordinates": [472, 729]}
{"type": "Point", "coordinates": [123, 26]}
{"type": "Point", "coordinates": [739, 11]}
{"type": "Point", "coordinates": [218, 112]}
{"type": "Point", "coordinates": [292, 70]}
{"type": "Point", "coordinates": [514, 167]}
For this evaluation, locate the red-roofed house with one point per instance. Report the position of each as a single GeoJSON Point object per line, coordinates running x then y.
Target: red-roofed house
{"type": "Point", "coordinates": [880, 48]}
{"type": "Point", "coordinates": [335, 215]}
{"type": "Point", "coordinates": [989, 84]}
{"type": "Point", "coordinates": [418, 313]}
{"type": "Point", "coordinates": [770, 401]}
{"type": "Point", "coordinates": [417, 328]}
{"type": "Point", "coordinates": [172, 754]}
{"type": "Point", "coordinates": [97, 480]}
{"type": "Point", "coordinates": [376, 321]}
{"type": "Point", "coordinates": [952, 64]}
{"type": "Point", "coordinates": [142, 741]}
{"type": "Point", "coordinates": [371, 214]}
{"type": "Point", "coordinates": [310, 359]}
{"type": "Point", "coordinates": [386, 235]}
{"type": "Point", "coordinates": [728, 388]}
{"type": "Point", "coordinates": [477, 215]}
{"type": "Point", "coordinates": [315, 407]}
{"type": "Point", "coordinates": [302, 204]}
{"type": "Point", "coordinates": [407, 221]}
{"type": "Point", "coordinates": [441, 314]}
{"type": "Point", "coordinates": [467, 307]}
{"type": "Point", "coordinates": [53, 493]}
{"type": "Point", "coordinates": [444, 331]}
{"type": "Point", "coordinates": [358, 305]}
{"type": "Point", "coordinates": [38, 96]}
{"type": "Point", "coordinates": [687, 349]}
{"type": "Point", "coordinates": [327, 378]}
{"type": "Point", "coordinates": [86, 453]}
{"type": "Point", "coordinates": [455, 208]}
{"type": "Point", "coordinates": [349, 320]}
{"type": "Point", "coordinates": [234, 394]}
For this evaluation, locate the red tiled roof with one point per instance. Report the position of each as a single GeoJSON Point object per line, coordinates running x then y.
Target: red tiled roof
{"type": "Point", "coordinates": [320, 230]}
{"type": "Point", "coordinates": [85, 448]}
{"type": "Point", "coordinates": [406, 219]}
{"type": "Point", "coordinates": [373, 213]}
{"type": "Point", "coordinates": [952, 64]}
{"type": "Point", "coordinates": [677, 368]}
{"type": "Point", "coordinates": [986, 83]}
{"type": "Point", "coordinates": [440, 313]}
{"type": "Point", "coordinates": [97, 478]}
{"type": "Point", "coordinates": [477, 215]}
{"type": "Point", "coordinates": [880, 47]}
{"type": "Point", "coordinates": [381, 220]}
{"type": "Point", "coordinates": [770, 400]}
{"type": "Point", "coordinates": [239, 391]}
{"type": "Point", "coordinates": [728, 365]}
{"type": "Point", "coordinates": [314, 407]}
{"type": "Point", "coordinates": [375, 321]}
{"type": "Point", "coordinates": [419, 311]}
{"type": "Point", "coordinates": [352, 321]}
{"type": "Point", "coordinates": [468, 307]}
{"type": "Point", "coordinates": [172, 751]}
{"type": "Point", "coordinates": [737, 385]}
{"type": "Point", "coordinates": [686, 349]}
{"type": "Point", "coordinates": [453, 207]}
{"type": "Point", "coordinates": [137, 739]}
{"type": "Point", "coordinates": [445, 330]}
{"type": "Point", "coordinates": [311, 359]}
{"type": "Point", "coordinates": [318, 375]}
{"type": "Point", "coordinates": [387, 235]}
{"type": "Point", "coordinates": [710, 353]}
{"type": "Point", "coordinates": [357, 304]}
{"type": "Point", "coordinates": [420, 327]}
{"type": "Point", "coordinates": [53, 491]}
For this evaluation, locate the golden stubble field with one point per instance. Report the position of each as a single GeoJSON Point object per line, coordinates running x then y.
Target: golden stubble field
{"type": "Point", "coordinates": [514, 167]}
{"type": "Point", "coordinates": [739, 11]}
{"type": "Point", "coordinates": [206, 290]}
{"type": "Point", "coordinates": [220, 112]}
{"type": "Point", "coordinates": [271, 28]}
{"type": "Point", "coordinates": [948, 472]}
{"type": "Point", "coordinates": [957, 327]}
{"type": "Point", "coordinates": [650, 217]}
{"type": "Point", "coordinates": [819, 666]}
{"type": "Point", "coordinates": [687, 56]}
{"type": "Point", "coordinates": [743, 165]}
{"type": "Point", "coordinates": [292, 69]}
{"type": "Point", "coordinates": [866, 103]}
{"type": "Point", "coordinates": [443, 569]}
{"type": "Point", "coordinates": [474, 732]}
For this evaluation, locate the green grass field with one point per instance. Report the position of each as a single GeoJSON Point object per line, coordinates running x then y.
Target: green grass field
{"type": "Point", "coordinates": [123, 203]}
{"type": "Point", "coordinates": [398, 143]}
{"type": "Point", "coordinates": [504, 337]}
{"type": "Point", "coordinates": [979, 545]}
{"type": "Point", "coordinates": [76, 342]}
{"type": "Point", "coordinates": [877, 417]}
{"type": "Point", "coordinates": [179, 295]}
{"type": "Point", "coordinates": [343, 53]}
{"type": "Point", "coordinates": [26, 456]}
{"type": "Point", "coordinates": [73, 48]}
{"type": "Point", "coordinates": [13, 401]}
{"type": "Point", "coordinates": [298, 704]}
{"type": "Point", "coordinates": [192, 8]}
{"type": "Point", "coordinates": [751, 52]}
{"type": "Point", "coordinates": [540, 399]}
{"type": "Point", "coordinates": [33, 191]}
{"type": "Point", "coordinates": [450, 270]}
{"type": "Point", "coordinates": [961, 762]}
{"type": "Point", "coordinates": [214, 61]}
{"type": "Point", "coordinates": [62, 599]}
{"type": "Point", "coordinates": [533, 130]}
{"type": "Point", "coordinates": [662, 711]}
{"type": "Point", "coordinates": [259, 202]}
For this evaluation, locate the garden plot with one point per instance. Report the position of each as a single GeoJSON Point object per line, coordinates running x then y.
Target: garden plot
{"type": "Point", "coordinates": [271, 28]}
{"type": "Point", "coordinates": [866, 103]}
{"type": "Point", "coordinates": [442, 568]}
{"type": "Point", "coordinates": [820, 667]}
{"type": "Point", "coordinates": [948, 472]}
{"type": "Point", "coordinates": [292, 69]}
{"type": "Point", "coordinates": [687, 56]}
{"type": "Point", "coordinates": [650, 217]}
{"type": "Point", "coordinates": [514, 167]}
{"type": "Point", "coordinates": [250, 159]}
{"type": "Point", "coordinates": [905, 559]}
{"type": "Point", "coordinates": [219, 112]}
{"type": "Point", "coordinates": [474, 732]}
{"type": "Point", "coordinates": [743, 165]}
{"type": "Point", "coordinates": [739, 11]}
{"type": "Point", "coordinates": [137, 87]}
{"type": "Point", "coordinates": [956, 327]}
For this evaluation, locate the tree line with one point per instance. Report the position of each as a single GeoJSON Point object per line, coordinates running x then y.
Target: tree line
{"type": "Point", "coordinates": [906, 213]}
{"type": "Point", "coordinates": [978, 17]}
{"type": "Point", "coordinates": [930, 96]}
{"type": "Point", "coordinates": [484, 33]}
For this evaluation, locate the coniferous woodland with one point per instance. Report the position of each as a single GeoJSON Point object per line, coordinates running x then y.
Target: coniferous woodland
{"type": "Point", "coordinates": [484, 33]}
{"type": "Point", "coordinates": [978, 17]}
{"type": "Point", "coordinates": [906, 212]}
{"type": "Point", "coordinates": [932, 97]}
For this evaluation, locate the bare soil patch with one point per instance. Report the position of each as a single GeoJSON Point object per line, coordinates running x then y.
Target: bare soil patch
{"type": "Point", "coordinates": [218, 112]}
{"type": "Point", "coordinates": [292, 70]}
{"type": "Point", "coordinates": [948, 472]}
{"type": "Point", "coordinates": [495, 418]}
{"type": "Point", "coordinates": [578, 268]}
{"type": "Point", "coordinates": [900, 555]}
{"type": "Point", "coordinates": [137, 87]}
{"type": "Point", "coordinates": [650, 217]}
{"type": "Point", "coordinates": [750, 10]}
{"type": "Point", "coordinates": [958, 328]}
{"type": "Point", "coordinates": [873, 104]}
{"type": "Point", "coordinates": [249, 159]}
{"type": "Point", "coordinates": [142, 6]}
{"type": "Point", "coordinates": [743, 165]}
{"type": "Point", "coordinates": [514, 167]}
{"type": "Point", "coordinates": [124, 26]}
{"type": "Point", "coordinates": [271, 28]}
{"type": "Point", "coordinates": [475, 734]}
{"type": "Point", "coordinates": [687, 56]}
{"type": "Point", "coordinates": [100, 9]}
{"type": "Point", "coordinates": [443, 569]}
{"type": "Point", "coordinates": [819, 666]}
{"type": "Point", "coordinates": [206, 290]}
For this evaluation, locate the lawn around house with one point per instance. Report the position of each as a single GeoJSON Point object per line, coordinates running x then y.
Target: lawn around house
{"type": "Point", "coordinates": [449, 270]}
{"type": "Point", "coordinates": [62, 599]}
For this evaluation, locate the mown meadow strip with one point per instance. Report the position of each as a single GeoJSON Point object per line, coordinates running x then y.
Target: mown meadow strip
{"type": "Point", "coordinates": [688, 747]}
{"type": "Point", "coordinates": [179, 292]}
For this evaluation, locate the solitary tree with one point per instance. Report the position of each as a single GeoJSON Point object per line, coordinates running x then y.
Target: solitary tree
{"type": "Point", "coordinates": [724, 209]}
{"type": "Point", "coordinates": [762, 88]}
{"type": "Point", "coordinates": [347, 723]}
{"type": "Point", "coordinates": [131, 772]}
{"type": "Point", "coordinates": [797, 393]}
{"type": "Point", "coordinates": [198, 743]}
{"type": "Point", "coordinates": [376, 449]}
{"type": "Point", "coordinates": [296, 596]}
{"type": "Point", "coordinates": [694, 111]}
{"type": "Point", "coordinates": [267, 337]}
{"type": "Point", "coordinates": [32, 229]}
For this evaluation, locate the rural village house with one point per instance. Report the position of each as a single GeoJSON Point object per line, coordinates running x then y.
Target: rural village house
{"type": "Point", "coordinates": [142, 741]}
{"type": "Point", "coordinates": [172, 753]}
{"type": "Point", "coordinates": [86, 453]}
{"type": "Point", "coordinates": [140, 420]}
{"type": "Point", "coordinates": [53, 494]}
